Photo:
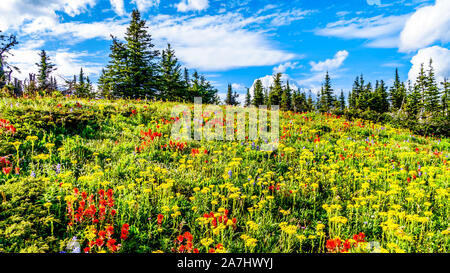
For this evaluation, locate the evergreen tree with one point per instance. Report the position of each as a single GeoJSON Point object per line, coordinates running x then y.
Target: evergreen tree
{"type": "Point", "coordinates": [258, 94]}
{"type": "Point", "coordinates": [432, 91]}
{"type": "Point", "coordinates": [232, 98]}
{"type": "Point", "coordinates": [141, 66]}
{"type": "Point", "coordinates": [45, 68]}
{"type": "Point", "coordinates": [413, 101]}
{"type": "Point", "coordinates": [276, 91]}
{"type": "Point", "coordinates": [326, 95]}
{"type": "Point", "coordinates": [420, 88]}
{"type": "Point", "coordinates": [342, 100]}
{"type": "Point", "coordinates": [83, 88]}
{"type": "Point", "coordinates": [248, 98]}
{"type": "Point", "coordinates": [379, 100]}
{"type": "Point", "coordinates": [397, 93]}
{"type": "Point", "coordinates": [266, 96]}
{"type": "Point", "coordinates": [310, 102]}
{"type": "Point", "coordinates": [103, 85]}
{"type": "Point", "coordinates": [286, 98]}
{"type": "Point", "coordinates": [172, 86]}
{"type": "Point", "coordinates": [116, 78]}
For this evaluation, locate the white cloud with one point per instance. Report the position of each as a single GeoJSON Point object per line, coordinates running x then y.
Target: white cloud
{"type": "Point", "coordinates": [144, 5]}
{"type": "Point", "coordinates": [441, 62]}
{"type": "Point", "coordinates": [219, 42]}
{"type": "Point", "coordinates": [75, 7]}
{"type": "Point", "coordinates": [239, 88]}
{"type": "Point", "coordinates": [118, 7]}
{"type": "Point", "coordinates": [192, 5]}
{"type": "Point", "coordinates": [330, 64]}
{"type": "Point", "coordinates": [13, 13]}
{"type": "Point", "coordinates": [426, 26]}
{"type": "Point", "coordinates": [283, 67]}
{"type": "Point", "coordinates": [68, 63]}
{"type": "Point", "coordinates": [383, 32]}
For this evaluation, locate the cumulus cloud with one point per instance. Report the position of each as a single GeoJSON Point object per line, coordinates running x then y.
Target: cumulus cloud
{"type": "Point", "coordinates": [330, 64]}
{"type": "Point", "coordinates": [192, 5]}
{"type": "Point", "coordinates": [426, 26]}
{"type": "Point", "coordinates": [220, 42]}
{"type": "Point", "coordinates": [118, 7]}
{"type": "Point", "coordinates": [441, 62]}
{"type": "Point", "coordinates": [283, 67]}
{"type": "Point", "coordinates": [68, 63]}
{"type": "Point", "coordinates": [13, 13]}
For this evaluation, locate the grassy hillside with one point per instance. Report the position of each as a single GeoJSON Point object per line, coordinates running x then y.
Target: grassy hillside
{"type": "Point", "coordinates": [107, 173]}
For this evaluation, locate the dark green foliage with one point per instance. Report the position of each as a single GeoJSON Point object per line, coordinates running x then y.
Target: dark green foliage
{"type": "Point", "coordinates": [25, 224]}
{"type": "Point", "coordinates": [45, 68]}
{"type": "Point", "coordinates": [171, 87]}
{"type": "Point", "coordinates": [286, 98]}
{"type": "Point", "coordinates": [232, 97]}
{"type": "Point", "coordinates": [276, 91]}
{"type": "Point", "coordinates": [258, 94]}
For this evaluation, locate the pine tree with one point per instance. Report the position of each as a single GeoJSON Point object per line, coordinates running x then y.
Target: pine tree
{"type": "Point", "coordinates": [103, 85]}
{"type": "Point", "coordinates": [172, 86]}
{"type": "Point", "coordinates": [83, 88]}
{"type": "Point", "coordinates": [286, 98]}
{"type": "Point", "coordinates": [310, 102]}
{"type": "Point", "coordinates": [45, 68]}
{"type": "Point", "coordinates": [421, 87]}
{"type": "Point", "coordinates": [231, 98]}
{"type": "Point", "coordinates": [258, 94]}
{"type": "Point", "coordinates": [432, 91]}
{"type": "Point", "coordinates": [248, 98]}
{"type": "Point", "coordinates": [413, 101]}
{"type": "Point", "coordinates": [141, 66]}
{"type": "Point", "coordinates": [397, 93]}
{"type": "Point", "coordinates": [276, 91]}
{"type": "Point", "coordinates": [326, 95]}
{"type": "Point", "coordinates": [116, 78]}
{"type": "Point", "coordinates": [379, 99]}
{"type": "Point", "coordinates": [342, 100]}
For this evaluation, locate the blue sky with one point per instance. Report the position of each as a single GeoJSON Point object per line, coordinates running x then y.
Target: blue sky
{"type": "Point", "coordinates": [239, 41]}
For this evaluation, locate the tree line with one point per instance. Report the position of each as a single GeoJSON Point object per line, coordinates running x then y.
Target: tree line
{"type": "Point", "coordinates": [135, 70]}
{"type": "Point", "coordinates": [422, 106]}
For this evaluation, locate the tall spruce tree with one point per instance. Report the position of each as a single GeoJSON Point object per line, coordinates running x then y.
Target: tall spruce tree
{"type": "Point", "coordinates": [286, 98]}
{"type": "Point", "coordinates": [342, 100]}
{"type": "Point", "coordinates": [45, 68]}
{"type": "Point", "coordinates": [420, 87]}
{"type": "Point", "coordinates": [248, 98]}
{"type": "Point", "coordinates": [397, 93]}
{"type": "Point", "coordinates": [276, 91]}
{"type": "Point", "coordinates": [232, 97]}
{"type": "Point", "coordinates": [432, 91]}
{"type": "Point", "coordinates": [258, 94]}
{"type": "Point", "coordinates": [172, 87]}
{"type": "Point", "coordinates": [141, 66]}
{"type": "Point", "coordinates": [326, 95]}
